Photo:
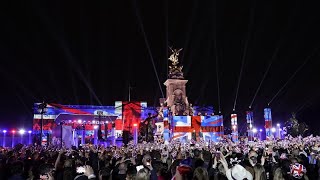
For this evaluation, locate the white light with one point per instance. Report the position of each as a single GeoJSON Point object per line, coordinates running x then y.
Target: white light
{"type": "Point", "coordinates": [22, 131]}
{"type": "Point", "coordinates": [29, 132]}
{"type": "Point", "coordinates": [4, 131]}
{"type": "Point", "coordinates": [95, 127]}
{"type": "Point", "coordinates": [278, 125]}
{"type": "Point", "coordinates": [234, 126]}
{"type": "Point", "coordinates": [79, 121]}
{"type": "Point", "coordinates": [107, 122]}
{"type": "Point", "coordinates": [254, 130]}
{"type": "Point", "coordinates": [250, 126]}
{"type": "Point", "coordinates": [273, 129]}
{"type": "Point", "coordinates": [260, 130]}
{"type": "Point", "coordinates": [93, 122]}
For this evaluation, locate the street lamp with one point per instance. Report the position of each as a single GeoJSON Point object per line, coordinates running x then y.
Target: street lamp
{"type": "Point", "coordinates": [42, 109]}
{"type": "Point", "coordinates": [106, 130]}
{"type": "Point", "coordinates": [12, 142]}
{"type": "Point", "coordinates": [21, 132]}
{"type": "Point", "coordinates": [29, 140]}
{"type": "Point", "coordinates": [95, 135]}
{"type": "Point", "coordinates": [278, 128]}
{"type": "Point", "coordinates": [135, 133]}
{"type": "Point", "coordinates": [273, 130]}
{"type": "Point", "coordinates": [254, 131]}
{"type": "Point", "coordinates": [260, 134]}
{"type": "Point", "coordinates": [61, 130]}
{"type": "Point", "coordinates": [98, 117]}
{"type": "Point", "coordinates": [4, 138]}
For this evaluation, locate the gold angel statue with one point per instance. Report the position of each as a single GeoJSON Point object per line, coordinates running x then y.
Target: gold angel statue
{"type": "Point", "coordinates": [174, 56]}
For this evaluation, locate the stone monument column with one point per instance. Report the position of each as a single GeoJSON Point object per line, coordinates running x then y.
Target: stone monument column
{"type": "Point", "coordinates": [176, 102]}
{"type": "Point", "coordinates": [176, 96]}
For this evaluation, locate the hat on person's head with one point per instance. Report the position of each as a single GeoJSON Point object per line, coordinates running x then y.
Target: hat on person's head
{"type": "Point", "coordinates": [236, 158]}
{"type": "Point", "coordinates": [297, 170]}
{"type": "Point", "coordinates": [238, 172]}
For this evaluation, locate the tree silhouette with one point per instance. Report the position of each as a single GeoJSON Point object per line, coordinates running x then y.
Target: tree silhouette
{"type": "Point", "coordinates": [294, 128]}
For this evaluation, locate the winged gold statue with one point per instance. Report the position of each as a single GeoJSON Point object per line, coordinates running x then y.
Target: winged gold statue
{"type": "Point", "coordinates": [174, 56]}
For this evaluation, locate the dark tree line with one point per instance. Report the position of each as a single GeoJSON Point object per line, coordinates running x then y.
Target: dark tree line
{"type": "Point", "coordinates": [294, 128]}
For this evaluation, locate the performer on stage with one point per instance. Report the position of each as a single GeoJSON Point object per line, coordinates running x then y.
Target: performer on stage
{"type": "Point", "coordinates": [147, 128]}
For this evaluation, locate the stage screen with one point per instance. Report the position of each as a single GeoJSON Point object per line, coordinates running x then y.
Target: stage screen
{"type": "Point", "coordinates": [212, 120]}
{"type": "Point", "coordinates": [212, 136]}
{"type": "Point", "coordinates": [181, 121]}
{"type": "Point", "coordinates": [182, 136]}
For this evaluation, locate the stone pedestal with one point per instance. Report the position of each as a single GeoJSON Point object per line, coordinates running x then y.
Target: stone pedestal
{"type": "Point", "coordinates": [176, 96]}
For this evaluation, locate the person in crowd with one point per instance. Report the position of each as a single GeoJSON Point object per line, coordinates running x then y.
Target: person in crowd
{"type": "Point", "coordinates": [295, 158]}
{"type": "Point", "coordinates": [200, 173]}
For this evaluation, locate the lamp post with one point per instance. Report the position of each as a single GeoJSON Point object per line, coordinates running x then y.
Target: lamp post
{"type": "Point", "coordinates": [260, 134]}
{"type": "Point", "coordinates": [21, 132]}
{"type": "Point", "coordinates": [113, 133]}
{"type": "Point", "coordinates": [99, 117]}
{"type": "Point", "coordinates": [273, 130]}
{"type": "Point", "coordinates": [234, 134]}
{"type": "Point", "coordinates": [29, 140]}
{"type": "Point", "coordinates": [95, 135]}
{"type": "Point", "coordinates": [4, 138]}
{"type": "Point", "coordinates": [135, 133]}
{"type": "Point", "coordinates": [254, 131]}
{"type": "Point", "coordinates": [12, 142]}
{"type": "Point", "coordinates": [106, 130]}
{"type": "Point", "coordinates": [61, 130]}
{"type": "Point", "coordinates": [278, 129]}
{"type": "Point", "coordinates": [42, 109]}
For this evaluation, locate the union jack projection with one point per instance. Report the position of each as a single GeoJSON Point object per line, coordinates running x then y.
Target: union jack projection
{"type": "Point", "coordinates": [249, 117]}
{"type": "Point", "coordinates": [209, 128]}
{"type": "Point", "coordinates": [268, 122]}
{"type": "Point", "coordinates": [234, 125]}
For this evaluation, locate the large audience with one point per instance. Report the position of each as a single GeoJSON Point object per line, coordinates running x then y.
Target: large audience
{"type": "Point", "coordinates": [291, 158]}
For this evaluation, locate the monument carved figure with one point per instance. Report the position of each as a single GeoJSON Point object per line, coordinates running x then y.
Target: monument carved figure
{"type": "Point", "coordinates": [175, 71]}
{"type": "Point", "coordinates": [174, 56]}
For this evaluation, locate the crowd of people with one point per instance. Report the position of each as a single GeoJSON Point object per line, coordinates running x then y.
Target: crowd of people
{"type": "Point", "coordinates": [291, 158]}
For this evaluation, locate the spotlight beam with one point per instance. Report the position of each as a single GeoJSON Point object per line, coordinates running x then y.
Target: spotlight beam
{"type": "Point", "coordinates": [291, 19]}
{"type": "Point", "coordinates": [62, 45]}
{"type": "Point", "coordinates": [147, 45]}
{"type": "Point", "coordinates": [308, 102]}
{"type": "Point", "coordinates": [188, 35]}
{"type": "Point", "coordinates": [294, 74]}
{"type": "Point", "coordinates": [252, 12]}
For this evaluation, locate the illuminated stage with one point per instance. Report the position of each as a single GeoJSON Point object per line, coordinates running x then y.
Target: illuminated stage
{"type": "Point", "coordinates": [89, 124]}
{"type": "Point", "coordinates": [176, 118]}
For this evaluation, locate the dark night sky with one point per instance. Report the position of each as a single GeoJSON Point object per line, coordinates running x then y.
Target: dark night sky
{"type": "Point", "coordinates": [89, 53]}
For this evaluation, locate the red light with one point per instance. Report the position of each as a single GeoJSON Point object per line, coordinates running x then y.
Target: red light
{"type": "Point", "coordinates": [13, 131]}
{"type": "Point", "coordinates": [135, 125]}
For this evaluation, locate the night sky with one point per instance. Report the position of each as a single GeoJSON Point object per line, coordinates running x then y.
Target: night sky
{"type": "Point", "coordinates": [89, 53]}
